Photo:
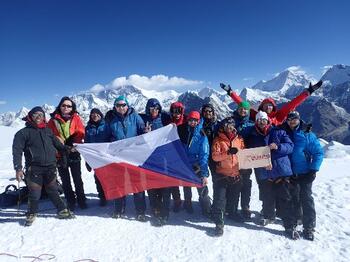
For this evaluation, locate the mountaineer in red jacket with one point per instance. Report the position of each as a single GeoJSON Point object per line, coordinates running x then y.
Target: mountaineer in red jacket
{"type": "Point", "coordinates": [268, 105]}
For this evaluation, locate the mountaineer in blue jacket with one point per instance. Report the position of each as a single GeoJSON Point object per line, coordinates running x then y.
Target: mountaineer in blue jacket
{"type": "Point", "coordinates": [306, 160]}
{"type": "Point", "coordinates": [242, 121]}
{"type": "Point", "coordinates": [197, 147]}
{"type": "Point", "coordinates": [97, 131]}
{"type": "Point", "coordinates": [124, 122]}
{"type": "Point", "coordinates": [159, 198]}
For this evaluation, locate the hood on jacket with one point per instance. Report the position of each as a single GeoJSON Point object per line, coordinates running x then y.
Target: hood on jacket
{"type": "Point", "coordinates": [177, 105]}
{"type": "Point", "coordinates": [152, 102]}
{"type": "Point", "coordinates": [266, 101]}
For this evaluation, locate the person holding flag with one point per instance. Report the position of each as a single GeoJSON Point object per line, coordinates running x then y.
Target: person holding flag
{"type": "Point", "coordinates": [124, 123]}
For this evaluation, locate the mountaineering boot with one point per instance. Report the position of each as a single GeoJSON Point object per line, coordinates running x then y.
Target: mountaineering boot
{"type": "Point", "coordinates": [266, 221]}
{"type": "Point", "coordinates": [219, 230]}
{"type": "Point", "coordinates": [141, 217]}
{"type": "Point", "coordinates": [161, 221]}
{"type": "Point", "coordinates": [65, 214]}
{"type": "Point", "coordinates": [30, 219]}
{"type": "Point", "coordinates": [308, 234]}
{"type": "Point", "coordinates": [246, 214]}
{"type": "Point", "coordinates": [292, 233]}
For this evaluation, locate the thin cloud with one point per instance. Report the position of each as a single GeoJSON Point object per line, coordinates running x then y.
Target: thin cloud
{"type": "Point", "coordinates": [248, 78]}
{"type": "Point", "coordinates": [156, 82]}
{"type": "Point", "coordinates": [3, 102]}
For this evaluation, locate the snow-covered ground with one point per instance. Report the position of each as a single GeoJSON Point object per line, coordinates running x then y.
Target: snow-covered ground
{"type": "Point", "coordinates": [95, 235]}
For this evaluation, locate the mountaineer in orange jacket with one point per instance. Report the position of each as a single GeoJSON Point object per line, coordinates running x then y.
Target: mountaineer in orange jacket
{"type": "Point", "coordinates": [226, 180]}
{"type": "Point", "coordinates": [268, 105]}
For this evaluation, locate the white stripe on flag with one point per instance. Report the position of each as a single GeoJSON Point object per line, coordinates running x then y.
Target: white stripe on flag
{"type": "Point", "coordinates": [134, 150]}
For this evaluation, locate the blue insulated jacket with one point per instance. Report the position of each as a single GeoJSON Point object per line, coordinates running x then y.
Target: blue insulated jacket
{"type": "Point", "coordinates": [162, 120]}
{"type": "Point", "coordinates": [242, 122]}
{"type": "Point", "coordinates": [196, 145]}
{"type": "Point", "coordinates": [126, 126]}
{"type": "Point", "coordinates": [308, 153]}
{"type": "Point", "coordinates": [281, 166]}
{"type": "Point", "coordinates": [97, 132]}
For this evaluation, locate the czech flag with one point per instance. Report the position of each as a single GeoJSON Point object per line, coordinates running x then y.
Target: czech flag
{"type": "Point", "coordinates": [153, 160]}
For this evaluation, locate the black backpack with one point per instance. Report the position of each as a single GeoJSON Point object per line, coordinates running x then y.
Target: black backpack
{"type": "Point", "coordinates": [13, 195]}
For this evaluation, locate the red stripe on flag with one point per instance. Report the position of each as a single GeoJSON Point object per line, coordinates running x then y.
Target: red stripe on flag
{"type": "Point", "coordinates": [120, 179]}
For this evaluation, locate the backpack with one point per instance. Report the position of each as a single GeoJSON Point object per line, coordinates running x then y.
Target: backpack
{"type": "Point", "coordinates": [13, 196]}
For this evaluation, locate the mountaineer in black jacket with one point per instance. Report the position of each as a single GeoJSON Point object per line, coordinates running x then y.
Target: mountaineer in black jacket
{"type": "Point", "coordinates": [39, 146]}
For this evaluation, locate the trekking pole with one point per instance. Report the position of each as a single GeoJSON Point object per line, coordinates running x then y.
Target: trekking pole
{"type": "Point", "coordinates": [19, 197]}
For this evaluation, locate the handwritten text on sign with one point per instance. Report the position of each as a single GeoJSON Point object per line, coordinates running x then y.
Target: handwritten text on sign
{"type": "Point", "coordinates": [254, 157]}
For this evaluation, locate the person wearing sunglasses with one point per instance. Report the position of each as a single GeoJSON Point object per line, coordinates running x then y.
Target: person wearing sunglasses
{"type": "Point", "coordinates": [39, 146]}
{"type": "Point", "coordinates": [68, 127]}
{"type": "Point", "coordinates": [125, 122]}
{"type": "Point", "coordinates": [306, 161]}
{"type": "Point", "coordinates": [159, 199]}
{"type": "Point", "coordinates": [178, 117]}
{"type": "Point", "coordinates": [227, 182]}
{"type": "Point", "coordinates": [196, 145]}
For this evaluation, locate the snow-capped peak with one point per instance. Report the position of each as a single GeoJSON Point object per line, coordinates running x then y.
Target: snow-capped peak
{"type": "Point", "coordinates": [288, 82]}
{"type": "Point", "coordinates": [337, 74]}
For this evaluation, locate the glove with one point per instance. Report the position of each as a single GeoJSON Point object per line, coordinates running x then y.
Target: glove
{"type": "Point", "coordinates": [227, 88]}
{"type": "Point", "coordinates": [88, 167]}
{"type": "Point", "coordinates": [232, 150]}
{"type": "Point", "coordinates": [313, 88]}
{"type": "Point", "coordinates": [196, 169]}
{"type": "Point", "coordinates": [311, 175]}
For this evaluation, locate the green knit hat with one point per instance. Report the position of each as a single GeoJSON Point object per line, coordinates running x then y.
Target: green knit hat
{"type": "Point", "coordinates": [244, 104]}
{"type": "Point", "coordinates": [121, 98]}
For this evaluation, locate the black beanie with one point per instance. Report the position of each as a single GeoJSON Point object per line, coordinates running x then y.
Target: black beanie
{"type": "Point", "coordinates": [96, 111]}
{"type": "Point", "coordinates": [36, 109]}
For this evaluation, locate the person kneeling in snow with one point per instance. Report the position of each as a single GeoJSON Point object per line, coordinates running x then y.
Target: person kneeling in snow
{"type": "Point", "coordinates": [39, 146]}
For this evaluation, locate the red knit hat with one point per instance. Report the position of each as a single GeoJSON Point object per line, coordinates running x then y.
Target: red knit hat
{"type": "Point", "coordinates": [194, 115]}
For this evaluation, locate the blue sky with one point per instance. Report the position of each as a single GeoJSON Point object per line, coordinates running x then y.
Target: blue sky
{"type": "Point", "coordinates": [53, 48]}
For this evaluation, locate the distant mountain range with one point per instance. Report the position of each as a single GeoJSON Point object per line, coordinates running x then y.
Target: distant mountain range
{"type": "Point", "coordinates": [328, 109]}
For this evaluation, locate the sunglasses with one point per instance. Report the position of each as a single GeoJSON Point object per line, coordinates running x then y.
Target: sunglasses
{"type": "Point", "coordinates": [39, 114]}
{"type": "Point", "coordinates": [208, 111]}
{"type": "Point", "coordinates": [176, 110]}
{"type": "Point", "coordinates": [120, 105]}
{"type": "Point", "coordinates": [68, 106]}
{"type": "Point", "coordinates": [193, 120]}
